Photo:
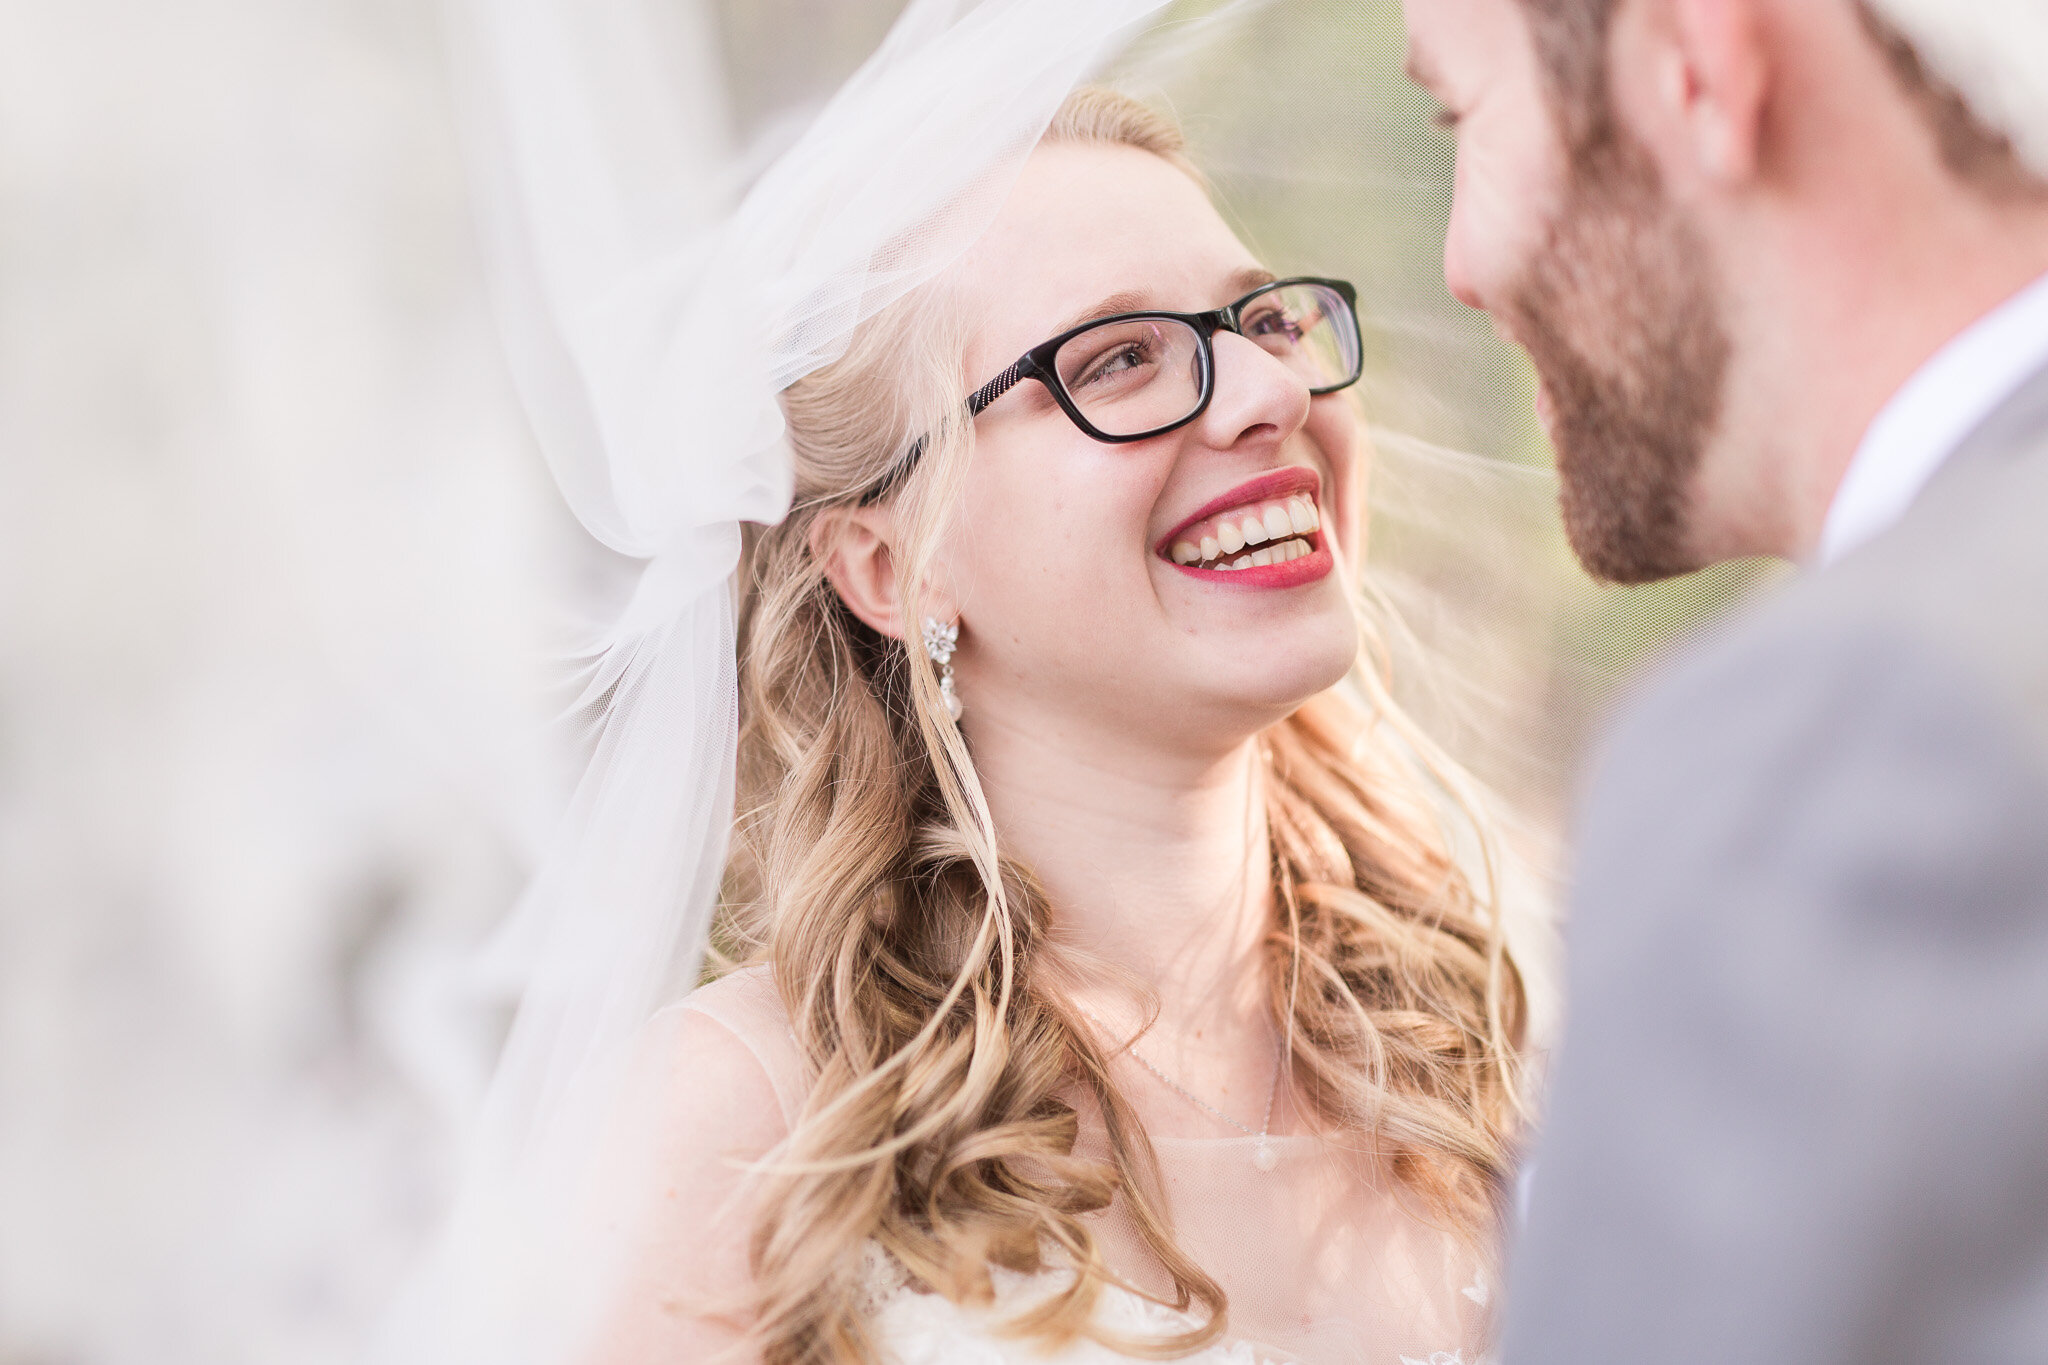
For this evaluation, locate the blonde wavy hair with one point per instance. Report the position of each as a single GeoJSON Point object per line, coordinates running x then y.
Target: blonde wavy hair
{"type": "Point", "coordinates": [914, 958]}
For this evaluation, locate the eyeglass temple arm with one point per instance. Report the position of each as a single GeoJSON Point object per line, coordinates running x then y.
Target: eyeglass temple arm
{"type": "Point", "coordinates": [980, 399]}
{"type": "Point", "coordinates": [1000, 385]}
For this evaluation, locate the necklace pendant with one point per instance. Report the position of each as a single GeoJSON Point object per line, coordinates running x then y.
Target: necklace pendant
{"type": "Point", "coordinates": [1263, 1155]}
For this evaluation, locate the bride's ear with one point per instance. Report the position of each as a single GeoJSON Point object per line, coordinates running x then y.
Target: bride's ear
{"type": "Point", "coordinates": [856, 546]}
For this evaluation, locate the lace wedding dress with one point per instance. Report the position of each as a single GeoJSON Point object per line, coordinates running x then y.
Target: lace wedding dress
{"type": "Point", "coordinates": [1325, 1261]}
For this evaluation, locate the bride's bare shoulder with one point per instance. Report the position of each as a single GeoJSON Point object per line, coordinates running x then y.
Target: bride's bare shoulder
{"type": "Point", "coordinates": [704, 1103]}
{"type": "Point", "coordinates": [731, 1039]}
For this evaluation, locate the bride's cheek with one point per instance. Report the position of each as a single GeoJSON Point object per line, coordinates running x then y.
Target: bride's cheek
{"type": "Point", "coordinates": [1343, 453]}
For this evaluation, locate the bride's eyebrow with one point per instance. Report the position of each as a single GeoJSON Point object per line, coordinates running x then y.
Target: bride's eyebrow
{"type": "Point", "coordinates": [1138, 301]}
{"type": "Point", "coordinates": [1123, 301]}
{"type": "Point", "coordinates": [1250, 278]}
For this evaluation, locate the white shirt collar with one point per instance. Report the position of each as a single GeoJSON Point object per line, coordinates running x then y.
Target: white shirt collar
{"type": "Point", "coordinates": [1937, 409]}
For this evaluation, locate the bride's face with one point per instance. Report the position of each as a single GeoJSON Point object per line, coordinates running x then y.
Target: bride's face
{"type": "Point", "coordinates": [1062, 559]}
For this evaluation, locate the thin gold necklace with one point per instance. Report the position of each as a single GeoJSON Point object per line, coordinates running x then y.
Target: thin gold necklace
{"type": "Point", "coordinates": [1264, 1157]}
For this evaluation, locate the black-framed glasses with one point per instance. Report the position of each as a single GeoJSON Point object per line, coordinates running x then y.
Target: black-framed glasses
{"type": "Point", "coordinates": [1134, 376]}
{"type": "Point", "coordinates": [1138, 375]}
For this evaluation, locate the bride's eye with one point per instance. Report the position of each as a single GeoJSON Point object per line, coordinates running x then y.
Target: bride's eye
{"type": "Point", "coordinates": [1273, 322]}
{"type": "Point", "coordinates": [1116, 363]}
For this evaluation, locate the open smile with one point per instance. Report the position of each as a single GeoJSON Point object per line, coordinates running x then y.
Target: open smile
{"type": "Point", "coordinates": [1266, 533]}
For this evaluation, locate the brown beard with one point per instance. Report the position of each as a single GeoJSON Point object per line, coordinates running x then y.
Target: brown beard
{"type": "Point", "coordinates": [1620, 317]}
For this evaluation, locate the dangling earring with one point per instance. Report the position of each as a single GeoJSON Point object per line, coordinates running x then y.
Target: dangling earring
{"type": "Point", "coordinates": [939, 642]}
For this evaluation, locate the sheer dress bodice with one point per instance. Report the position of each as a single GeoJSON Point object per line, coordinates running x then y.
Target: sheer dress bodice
{"type": "Point", "coordinates": [1324, 1260]}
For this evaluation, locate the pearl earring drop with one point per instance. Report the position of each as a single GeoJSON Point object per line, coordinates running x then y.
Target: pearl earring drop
{"type": "Point", "coordinates": [939, 642]}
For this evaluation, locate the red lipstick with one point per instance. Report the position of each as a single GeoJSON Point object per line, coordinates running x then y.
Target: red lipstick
{"type": "Point", "coordinates": [1271, 487]}
{"type": "Point", "coordinates": [1265, 488]}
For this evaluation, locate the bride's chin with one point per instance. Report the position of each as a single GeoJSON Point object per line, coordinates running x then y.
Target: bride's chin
{"type": "Point", "coordinates": [1274, 683]}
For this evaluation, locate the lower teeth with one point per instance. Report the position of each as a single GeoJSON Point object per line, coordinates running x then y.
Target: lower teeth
{"type": "Point", "coordinates": [1281, 553]}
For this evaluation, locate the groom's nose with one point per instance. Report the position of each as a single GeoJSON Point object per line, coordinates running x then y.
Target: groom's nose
{"type": "Point", "coordinates": [1474, 238]}
{"type": "Point", "coordinates": [1459, 277]}
{"type": "Point", "coordinates": [1511, 187]}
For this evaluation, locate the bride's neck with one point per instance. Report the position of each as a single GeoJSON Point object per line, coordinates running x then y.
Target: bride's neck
{"type": "Point", "coordinates": [1155, 862]}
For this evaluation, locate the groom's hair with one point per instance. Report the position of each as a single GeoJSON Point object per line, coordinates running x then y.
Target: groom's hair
{"type": "Point", "coordinates": [1571, 43]}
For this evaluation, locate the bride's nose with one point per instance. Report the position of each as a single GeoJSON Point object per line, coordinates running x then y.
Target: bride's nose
{"type": "Point", "coordinates": [1257, 397]}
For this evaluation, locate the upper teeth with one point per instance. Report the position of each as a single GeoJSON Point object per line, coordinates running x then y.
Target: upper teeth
{"type": "Point", "coordinates": [1255, 525]}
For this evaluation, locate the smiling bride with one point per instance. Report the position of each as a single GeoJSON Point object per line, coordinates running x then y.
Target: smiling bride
{"type": "Point", "coordinates": [1148, 1009]}
{"type": "Point", "coordinates": [1104, 967]}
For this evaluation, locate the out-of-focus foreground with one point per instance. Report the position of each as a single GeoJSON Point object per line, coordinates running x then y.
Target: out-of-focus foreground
{"type": "Point", "coordinates": [276, 575]}
{"type": "Point", "coordinates": [283, 588]}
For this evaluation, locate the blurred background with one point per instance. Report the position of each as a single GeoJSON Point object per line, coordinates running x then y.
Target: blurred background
{"type": "Point", "coordinates": [285, 595]}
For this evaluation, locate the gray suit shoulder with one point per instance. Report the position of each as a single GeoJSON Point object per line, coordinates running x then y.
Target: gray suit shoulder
{"type": "Point", "coordinates": [1827, 760]}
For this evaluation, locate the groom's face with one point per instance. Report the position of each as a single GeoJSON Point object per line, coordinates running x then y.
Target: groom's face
{"type": "Point", "coordinates": [1571, 244]}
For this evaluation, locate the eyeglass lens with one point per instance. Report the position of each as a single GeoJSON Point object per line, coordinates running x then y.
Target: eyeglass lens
{"type": "Point", "coordinates": [1144, 374]}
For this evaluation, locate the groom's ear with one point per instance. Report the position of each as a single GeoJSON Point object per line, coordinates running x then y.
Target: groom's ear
{"type": "Point", "coordinates": [1693, 77]}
